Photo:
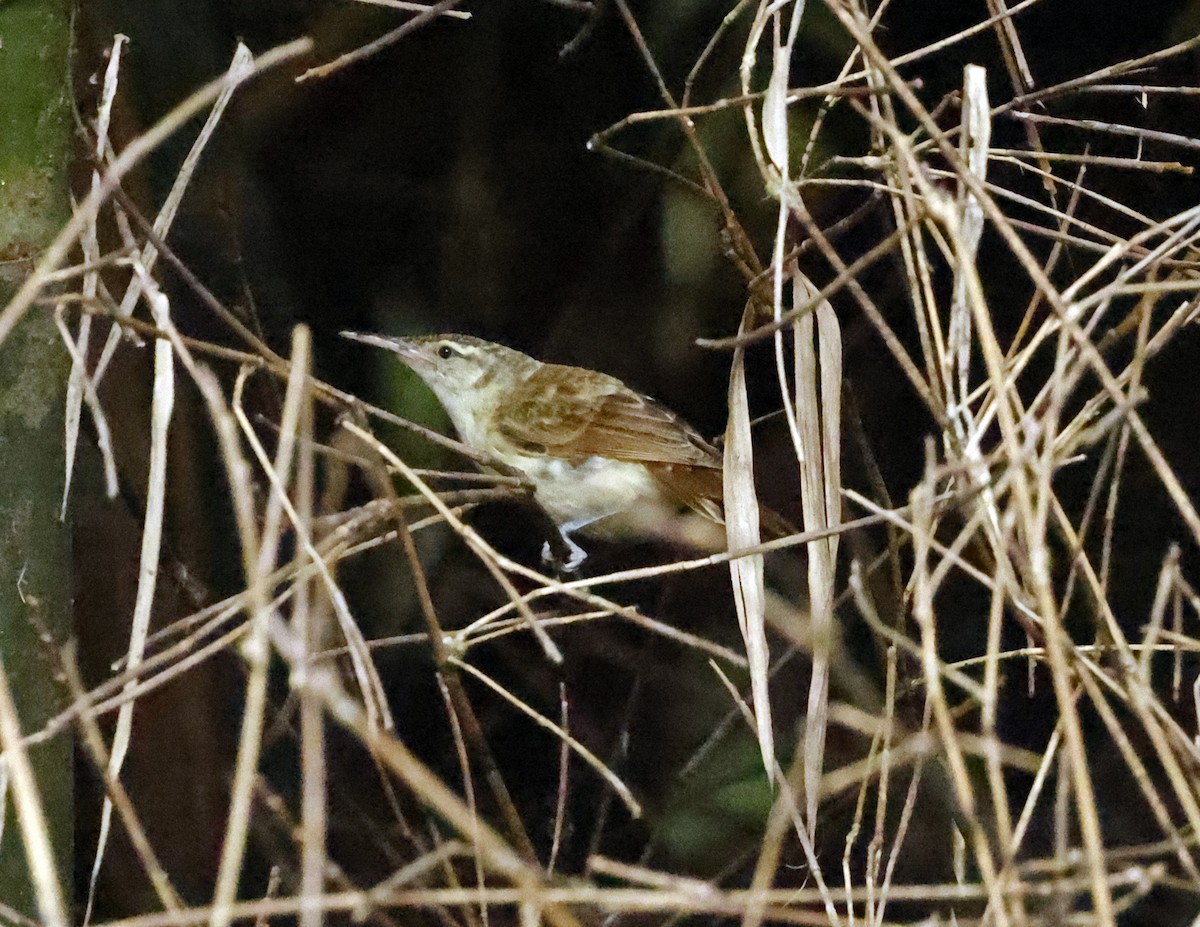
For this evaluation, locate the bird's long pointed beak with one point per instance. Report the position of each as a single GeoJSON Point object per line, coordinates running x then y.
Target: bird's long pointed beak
{"type": "Point", "coordinates": [396, 345]}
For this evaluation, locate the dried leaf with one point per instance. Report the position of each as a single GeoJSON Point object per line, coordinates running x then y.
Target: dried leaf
{"type": "Point", "coordinates": [742, 530]}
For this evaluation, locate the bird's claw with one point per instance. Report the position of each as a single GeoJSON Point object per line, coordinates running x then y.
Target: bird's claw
{"type": "Point", "coordinates": [574, 560]}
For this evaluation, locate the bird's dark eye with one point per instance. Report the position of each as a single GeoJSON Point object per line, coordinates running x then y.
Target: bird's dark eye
{"type": "Point", "coordinates": [445, 352]}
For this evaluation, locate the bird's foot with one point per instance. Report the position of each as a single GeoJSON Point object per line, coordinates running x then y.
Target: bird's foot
{"type": "Point", "coordinates": [575, 555]}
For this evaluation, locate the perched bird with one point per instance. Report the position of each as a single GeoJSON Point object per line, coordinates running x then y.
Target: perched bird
{"type": "Point", "coordinates": [602, 458]}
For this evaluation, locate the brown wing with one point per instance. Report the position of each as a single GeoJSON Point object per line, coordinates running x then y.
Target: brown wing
{"type": "Point", "coordinates": [573, 414]}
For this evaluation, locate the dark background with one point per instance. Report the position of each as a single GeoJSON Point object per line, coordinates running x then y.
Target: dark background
{"type": "Point", "coordinates": [446, 185]}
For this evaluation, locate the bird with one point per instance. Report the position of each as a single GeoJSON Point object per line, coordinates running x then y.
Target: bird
{"type": "Point", "coordinates": [603, 459]}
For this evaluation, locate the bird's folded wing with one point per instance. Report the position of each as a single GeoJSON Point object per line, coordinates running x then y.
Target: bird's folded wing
{"type": "Point", "coordinates": [573, 414]}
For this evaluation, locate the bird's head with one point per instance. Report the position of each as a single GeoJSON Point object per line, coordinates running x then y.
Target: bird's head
{"type": "Point", "coordinates": [468, 375]}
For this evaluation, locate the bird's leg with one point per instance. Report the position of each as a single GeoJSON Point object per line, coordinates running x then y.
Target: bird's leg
{"type": "Point", "coordinates": [571, 564]}
{"type": "Point", "coordinates": [576, 553]}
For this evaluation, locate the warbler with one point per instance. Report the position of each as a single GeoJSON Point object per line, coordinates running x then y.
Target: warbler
{"type": "Point", "coordinates": [603, 459]}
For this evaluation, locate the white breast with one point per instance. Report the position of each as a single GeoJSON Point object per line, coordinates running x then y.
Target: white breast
{"type": "Point", "coordinates": [593, 489]}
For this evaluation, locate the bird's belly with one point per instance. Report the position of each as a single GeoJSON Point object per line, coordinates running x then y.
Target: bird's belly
{"type": "Point", "coordinates": [590, 490]}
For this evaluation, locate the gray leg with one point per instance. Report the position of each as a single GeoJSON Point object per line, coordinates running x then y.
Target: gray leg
{"type": "Point", "coordinates": [578, 554]}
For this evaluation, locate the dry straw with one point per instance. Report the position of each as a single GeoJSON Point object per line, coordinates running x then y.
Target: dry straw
{"type": "Point", "coordinates": [1008, 413]}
